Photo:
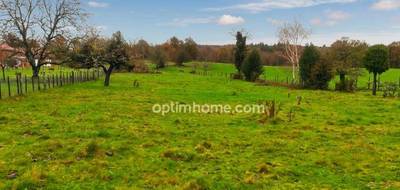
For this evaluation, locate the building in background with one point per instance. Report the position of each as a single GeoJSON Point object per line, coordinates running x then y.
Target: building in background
{"type": "Point", "coordinates": [12, 57]}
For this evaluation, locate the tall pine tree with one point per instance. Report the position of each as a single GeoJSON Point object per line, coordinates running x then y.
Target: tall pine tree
{"type": "Point", "coordinates": [240, 50]}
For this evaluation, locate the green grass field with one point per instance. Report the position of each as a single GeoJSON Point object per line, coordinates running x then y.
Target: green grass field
{"type": "Point", "coordinates": [89, 137]}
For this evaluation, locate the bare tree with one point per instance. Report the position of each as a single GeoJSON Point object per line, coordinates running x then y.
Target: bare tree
{"type": "Point", "coordinates": [37, 23]}
{"type": "Point", "coordinates": [292, 35]}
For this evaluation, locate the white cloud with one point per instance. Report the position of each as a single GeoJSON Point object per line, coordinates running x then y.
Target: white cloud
{"type": "Point", "coordinates": [223, 20]}
{"type": "Point", "coordinates": [96, 4]}
{"type": "Point", "coordinates": [331, 18]}
{"type": "Point", "coordinates": [337, 15]}
{"type": "Point", "coordinates": [230, 20]}
{"type": "Point", "coordinates": [275, 22]}
{"type": "Point", "coordinates": [265, 5]}
{"type": "Point", "coordinates": [386, 5]}
{"type": "Point", "coordinates": [189, 21]}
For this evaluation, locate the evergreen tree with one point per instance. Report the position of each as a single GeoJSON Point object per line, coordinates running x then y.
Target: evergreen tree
{"type": "Point", "coordinates": [308, 60]}
{"type": "Point", "coordinates": [240, 50]}
{"type": "Point", "coordinates": [321, 74]}
{"type": "Point", "coordinates": [252, 67]}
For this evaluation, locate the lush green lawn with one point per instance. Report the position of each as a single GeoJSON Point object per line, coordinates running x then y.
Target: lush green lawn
{"type": "Point", "coordinates": [90, 137]}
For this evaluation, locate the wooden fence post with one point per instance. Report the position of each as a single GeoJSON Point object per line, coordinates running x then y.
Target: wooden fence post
{"type": "Point", "coordinates": [38, 82]}
{"type": "Point", "coordinates": [8, 84]}
{"type": "Point", "coordinates": [17, 81]}
{"type": "Point", "coordinates": [20, 83]}
{"type": "Point", "coordinates": [52, 80]}
{"type": "Point", "coordinates": [48, 82]}
{"type": "Point", "coordinates": [33, 84]}
{"type": "Point", "coordinates": [57, 80]}
{"type": "Point", "coordinates": [61, 81]}
{"type": "Point", "coordinates": [0, 90]}
{"type": "Point", "coordinates": [26, 85]}
{"type": "Point", "coordinates": [44, 82]}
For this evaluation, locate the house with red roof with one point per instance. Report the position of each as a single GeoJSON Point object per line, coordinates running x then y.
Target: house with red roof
{"type": "Point", "coordinates": [9, 53]}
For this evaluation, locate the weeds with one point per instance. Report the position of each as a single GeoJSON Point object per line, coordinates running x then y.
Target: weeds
{"type": "Point", "coordinates": [272, 109]}
{"type": "Point", "coordinates": [391, 90]}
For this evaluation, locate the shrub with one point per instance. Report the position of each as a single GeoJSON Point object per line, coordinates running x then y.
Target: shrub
{"type": "Point", "coordinates": [252, 67]}
{"type": "Point", "coordinates": [181, 58]}
{"type": "Point", "coordinates": [159, 58]}
{"type": "Point", "coordinates": [321, 73]}
{"type": "Point", "coordinates": [272, 109]}
{"type": "Point", "coordinates": [194, 68]}
{"type": "Point", "coordinates": [236, 76]}
{"type": "Point", "coordinates": [391, 90]}
{"type": "Point", "coordinates": [127, 67]}
{"type": "Point", "coordinates": [140, 67]}
{"type": "Point", "coordinates": [315, 70]}
{"type": "Point", "coordinates": [308, 61]}
{"type": "Point", "coordinates": [348, 85]}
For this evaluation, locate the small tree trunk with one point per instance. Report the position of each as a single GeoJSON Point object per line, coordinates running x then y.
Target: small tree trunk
{"type": "Point", "coordinates": [374, 85]}
{"type": "Point", "coordinates": [35, 71]}
{"type": "Point", "coordinates": [294, 71]}
{"type": "Point", "coordinates": [342, 81]}
{"type": "Point", "coordinates": [108, 76]}
{"type": "Point", "coordinates": [107, 79]}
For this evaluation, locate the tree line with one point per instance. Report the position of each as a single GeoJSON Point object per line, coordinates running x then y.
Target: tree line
{"type": "Point", "coordinates": [317, 66]}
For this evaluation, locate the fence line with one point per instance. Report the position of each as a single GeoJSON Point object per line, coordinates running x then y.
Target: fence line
{"type": "Point", "coordinates": [286, 80]}
{"type": "Point", "coordinates": [23, 85]}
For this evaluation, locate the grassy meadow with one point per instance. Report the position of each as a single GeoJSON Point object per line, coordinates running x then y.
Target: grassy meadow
{"type": "Point", "coordinates": [87, 136]}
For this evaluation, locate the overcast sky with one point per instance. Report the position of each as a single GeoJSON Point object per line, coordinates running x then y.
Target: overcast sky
{"type": "Point", "coordinates": [212, 21]}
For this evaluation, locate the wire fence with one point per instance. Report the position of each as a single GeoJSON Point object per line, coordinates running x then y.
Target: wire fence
{"type": "Point", "coordinates": [20, 84]}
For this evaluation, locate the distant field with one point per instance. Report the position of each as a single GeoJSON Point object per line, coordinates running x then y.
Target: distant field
{"type": "Point", "coordinates": [285, 73]}
{"type": "Point", "coordinates": [89, 137]}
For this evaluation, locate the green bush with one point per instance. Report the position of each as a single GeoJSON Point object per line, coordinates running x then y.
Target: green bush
{"type": "Point", "coordinates": [391, 90]}
{"type": "Point", "coordinates": [308, 61]}
{"type": "Point", "coordinates": [349, 85]}
{"type": "Point", "coordinates": [181, 58]}
{"type": "Point", "coordinates": [252, 67]}
{"type": "Point", "coordinates": [315, 70]}
{"type": "Point", "coordinates": [321, 73]}
{"type": "Point", "coordinates": [159, 58]}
